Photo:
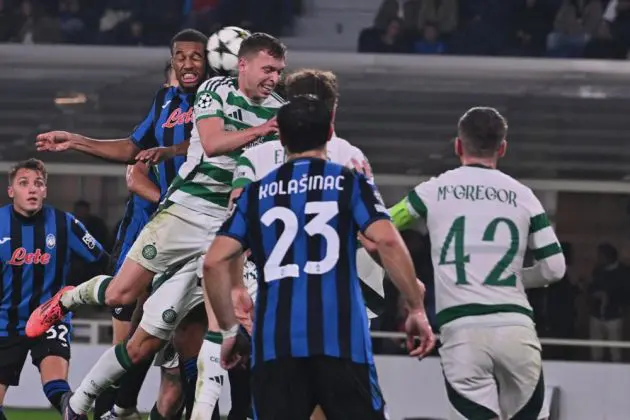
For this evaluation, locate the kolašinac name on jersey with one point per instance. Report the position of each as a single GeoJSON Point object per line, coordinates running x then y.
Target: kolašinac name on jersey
{"type": "Point", "coordinates": [204, 183]}
{"type": "Point", "coordinates": [481, 222]}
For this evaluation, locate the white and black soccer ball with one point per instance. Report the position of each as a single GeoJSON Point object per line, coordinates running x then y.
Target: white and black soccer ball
{"type": "Point", "coordinates": [223, 47]}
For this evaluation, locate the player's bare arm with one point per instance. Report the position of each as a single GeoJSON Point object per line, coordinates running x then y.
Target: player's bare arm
{"type": "Point", "coordinates": [119, 150]}
{"type": "Point", "coordinates": [138, 182]}
{"type": "Point", "coordinates": [157, 155]}
{"type": "Point", "coordinates": [396, 259]}
{"type": "Point", "coordinates": [216, 141]}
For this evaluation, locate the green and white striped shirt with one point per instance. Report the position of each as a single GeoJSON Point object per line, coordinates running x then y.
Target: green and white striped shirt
{"type": "Point", "coordinates": [203, 183]}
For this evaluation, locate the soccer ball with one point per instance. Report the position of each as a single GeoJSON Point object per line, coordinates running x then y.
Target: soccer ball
{"type": "Point", "coordinates": [222, 49]}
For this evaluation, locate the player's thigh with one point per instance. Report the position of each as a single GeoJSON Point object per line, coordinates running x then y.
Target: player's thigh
{"type": "Point", "coordinates": [171, 236]}
{"type": "Point", "coordinates": [173, 295]}
{"type": "Point", "coordinates": [281, 390]}
{"type": "Point", "coordinates": [346, 390]}
{"type": "Point", "coordinates": [190, 331]}
{"type": "Point", "coordinates": [13, 352]}
{"type": "Point", "coordinates": [518, 371]}
{"type": "Point", "coordinates": [468, 375]}
{"type": "Point", "coordinates": [50, 353]}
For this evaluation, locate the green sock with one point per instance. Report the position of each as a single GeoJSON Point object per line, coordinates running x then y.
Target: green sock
{"type": "Point", "coordinates": [155, 414]}
{"type": "Point", "coordinates": [91, 292]}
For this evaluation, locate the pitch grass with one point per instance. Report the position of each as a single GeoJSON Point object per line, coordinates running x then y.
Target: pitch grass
{"type": "Point", "coordinates": [20, 414]}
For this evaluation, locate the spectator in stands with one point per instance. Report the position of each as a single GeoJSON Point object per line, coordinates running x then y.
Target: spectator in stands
{"type": "Point", "coordinates": [35, 27]}
{"type": "Point", "coordinates": [391, 40]}
{"type": "Point", "coordinates": [442, 14]}
{"type": "Point", "coordinates": [532, 22]}
{"type": "Point", "coordinates": [389, 9]}
{"type": "Point", "coordinates": [131, 33]}
{"type": "Point", "coordinates": [574, 25]}
{"type": "Point", "coordinates": [617, 14]}
{"type": "Point", "coordinates": [604, 46]}
{"type": "Point", "coordinates": [430, 42]}
{"type": "Point", "coordinates": [71, 21]}
{"type": "Point", "coordinates": [608, 298]}
{"type": "Point", "coordinates": [484, 27]}
{"type": "Point", "coordinates": [117, 13]}
{"type": "Point", "coordinates": [201, 14]}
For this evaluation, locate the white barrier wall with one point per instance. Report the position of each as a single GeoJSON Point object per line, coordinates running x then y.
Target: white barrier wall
{"type": "Point", "coordinates": [588, 391]}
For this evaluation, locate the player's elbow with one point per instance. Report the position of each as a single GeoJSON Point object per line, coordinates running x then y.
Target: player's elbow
{"type": "Point", "coordinates": [555, 268]}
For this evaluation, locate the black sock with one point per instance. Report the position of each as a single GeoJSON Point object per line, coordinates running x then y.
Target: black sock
{"type": "Point", "coordinates": [2, 416]}
{"type": "Point", "coordinates": [155, 414]}
{"type": "Point", "coordinates": [131, 383]}
{"type": "Point", "coordinates": [188, 371]}
{"type": "Point", "coordinates": [105, 401]}
{"type": "Point", "coordinates": [54, 390]}
{"type": "Point", "coordinates": [240, 394]}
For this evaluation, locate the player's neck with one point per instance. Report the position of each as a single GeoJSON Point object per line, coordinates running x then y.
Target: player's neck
{"type": "Point", "coordinates": [21, 213]}
{"type": "Point", "coordinates": [316, 154]}
{"type": "Point", "coordinates": [476, 161]}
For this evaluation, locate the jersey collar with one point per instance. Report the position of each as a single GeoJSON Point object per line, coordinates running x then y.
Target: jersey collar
{"type": "Point", "coordinates": [478, 165]}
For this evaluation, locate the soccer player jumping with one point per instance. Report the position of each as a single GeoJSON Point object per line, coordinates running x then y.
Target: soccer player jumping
{"type": "Point", "coordinates": [311, 343]}
{"type": "Point", "coordinates": [36, 243]}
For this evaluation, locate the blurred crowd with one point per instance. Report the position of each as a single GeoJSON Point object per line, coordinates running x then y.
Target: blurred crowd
{"type": "Point", "coordinates": [552, 28]}
{"type": "Point", "coordinates": [135, 22]}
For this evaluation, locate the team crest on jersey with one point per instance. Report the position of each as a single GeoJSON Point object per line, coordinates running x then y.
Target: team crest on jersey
{"type": "Point", "coordinates": [169, 316]}
{"type": "Point", "coordinates": [149, 252]}
{"type": "Point", "coordinates": [51, 241]}
{"type": "Point", "coordinates": [204, 101]}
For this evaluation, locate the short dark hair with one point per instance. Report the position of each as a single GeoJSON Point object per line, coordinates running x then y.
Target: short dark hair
{"type": "Point", "coordinates": [304, 124]}
{"type": "Point", "coordinates": [481, 130]}
{"type": "Point", "coordinates": [189, 35]}
{"type": "Point", "coordinates": [320, 83]}
{"type": "Point", "coordinates": [32, 164]}
{"type": "Point", "coordinates": [260, 41]}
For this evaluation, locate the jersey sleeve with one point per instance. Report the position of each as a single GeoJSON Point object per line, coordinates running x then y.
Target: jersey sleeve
{"type": "Point", "coordinates": [143, 135]}
{"type": "Point", "coordinates": [208, 101]}
{"type": "Point", "coordinates": [235, 226]}
{"type": "Point", "coordinates": [82, 243]}
{"type": "Point", "coordinates": [367, 206]}
{"type": "Point", "coordinates": [542, 239]}
{"type": "Point", "coordinates": [245, 172]}
{"type": "Point", "coordinates": [412, 207]}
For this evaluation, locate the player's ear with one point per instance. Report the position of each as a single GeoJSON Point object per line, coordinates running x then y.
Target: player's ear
{"type": "Point", "coordinates": [242, 61]}
{"type": "Point", "coordinates": [459, 150]}
{"type": "Point", "coordinates": [502, 148]}
{"type": "Point", "coordinates": [10, 192]}
{"type": "Point", "coordinates": [45, 192]}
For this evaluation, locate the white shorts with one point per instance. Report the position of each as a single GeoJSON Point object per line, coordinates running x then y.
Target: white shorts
{"type": "Point", "coordinates": [173, 235]}
{"type": "Point", "coordinates": [173, 296]}
{"type": "Point", "coordinates": [490, 370]}
{"type": "Point", "coordinates": [372, 275]}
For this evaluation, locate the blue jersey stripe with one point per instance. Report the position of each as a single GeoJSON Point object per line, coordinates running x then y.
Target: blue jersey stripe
{"type": "Point", "coordinates": [305, 306]}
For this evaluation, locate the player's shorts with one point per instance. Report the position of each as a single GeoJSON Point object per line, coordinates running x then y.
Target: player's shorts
{"type": "Point", "coordinates": [173, 235]}
{"type": "Point", "coordinates": [493, 372]}
{"type": "Point", "coordinates": [290, 388]}
{"type": "Point", "coordinates": [13, 351]}
{"type": "Point", "coordinates": [174, 294]}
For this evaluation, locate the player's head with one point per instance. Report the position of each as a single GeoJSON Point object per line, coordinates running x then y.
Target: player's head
{"type": "Point", "coordinates": [320, 83]}
{"type": "Point", "coordinates": [188, 58]}
{"type": "Point", "coordinates": [27, 186]}
{"type": "Point", "coordinates": [481, 134]}
{"type": "Point", "coordinates": [261, 60]}
{"type": "Point", "coordinates": [170, 78]}
{"type": "Point", "coordinates": [305, 124]}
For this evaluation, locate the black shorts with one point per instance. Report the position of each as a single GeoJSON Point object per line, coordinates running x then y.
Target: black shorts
{"type": "Point", "coordinates": [289, 389]}
{"type": "Point", "coordinates": [13, 351]}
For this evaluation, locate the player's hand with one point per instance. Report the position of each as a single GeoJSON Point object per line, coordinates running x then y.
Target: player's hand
{"type": "Point", "coordinates": [243, 308]}
{"type": "Point", "coordinates": [417, 325]}
{"type": "Point", "coordinates": [361, 167]}
{"type": "Point", "coordinates": [155, 155]}
{"type": "Point", "coordinates": [234, 351]}
{"type": "Point", "coordinates": [270, 127]}
{"type": "Point", "coordinates": [53, 141]}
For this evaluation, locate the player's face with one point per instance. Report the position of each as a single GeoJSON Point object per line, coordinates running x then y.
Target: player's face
{"type": "Point", "coordinates": [261, 73]}
{"type": "Point", "coordinates": [28, 191]}
{"type": "Point", "coordinates": [188, 64]}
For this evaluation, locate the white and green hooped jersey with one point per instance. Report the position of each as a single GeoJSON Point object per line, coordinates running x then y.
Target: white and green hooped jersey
{"type": "Point", "coordinates": [258, 161]}
{"type": "Point", "coordinates": [481, 222]}
{"type": "Point", "coordinates": [204, 183]}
